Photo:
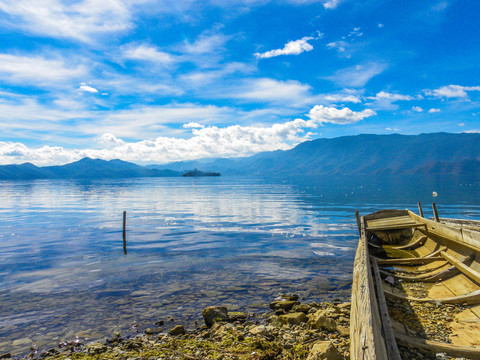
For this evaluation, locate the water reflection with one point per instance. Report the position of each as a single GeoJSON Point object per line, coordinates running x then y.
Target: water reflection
{"type": "Point", "coordinates": [191, 243]}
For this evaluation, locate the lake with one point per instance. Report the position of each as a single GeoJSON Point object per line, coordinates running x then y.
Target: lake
{"type": "Point", "coordinates": [192, 242]}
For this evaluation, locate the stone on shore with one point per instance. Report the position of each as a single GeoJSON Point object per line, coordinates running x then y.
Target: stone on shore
{"type": "Point", "coordinates": [293, 318]}
{"type": "Point", "coordinates": [322, 319]}
{"type": "Point", "coordinates": [177, 330]}
{"type": "Point", "coordinates": [237, 316]}
{"type": "Point", "coordinates": [324, 350]}
{"type": "Point", "coordinates": [282, 305]}
{"type": "Point", "coordinates": [214, 313]}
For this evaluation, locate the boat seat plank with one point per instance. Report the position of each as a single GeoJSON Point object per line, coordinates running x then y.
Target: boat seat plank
{"type": "Point", "coordinates": [472, 274]}
{"type": "Point", "coordinates": [389, 220]}
{"type": "Point", "coordinates": [394, 227]}
{"type": "Point", "coordinates": [411, 261]}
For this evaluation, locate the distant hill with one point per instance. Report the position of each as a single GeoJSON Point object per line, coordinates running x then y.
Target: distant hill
{"type": "Point", "coordinates": [441, 153]}
{"type": "Point", "coordinates": [438, 153]}
{"type": "Point", "coordinates": [85, 168]}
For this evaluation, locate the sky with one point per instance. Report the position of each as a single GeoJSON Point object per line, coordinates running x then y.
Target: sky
{"type": "Point", "coordinates": [157, 81]}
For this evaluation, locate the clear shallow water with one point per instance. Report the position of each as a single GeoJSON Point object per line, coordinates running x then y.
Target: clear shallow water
{"type": "Point", "coordinates": [191, 243]}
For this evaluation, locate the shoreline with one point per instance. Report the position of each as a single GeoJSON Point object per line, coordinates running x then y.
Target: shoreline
{"type": "Point", "coordinates": [289, 330]}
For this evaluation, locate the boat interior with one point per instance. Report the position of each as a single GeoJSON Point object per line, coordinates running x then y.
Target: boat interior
{"type": "Point", "coordinates": [427, 283]}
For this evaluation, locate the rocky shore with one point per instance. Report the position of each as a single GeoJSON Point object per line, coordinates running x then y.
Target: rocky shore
{"type": "Point", "coordinates": [289, 330]}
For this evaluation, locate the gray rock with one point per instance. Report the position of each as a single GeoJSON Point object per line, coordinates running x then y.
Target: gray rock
{"type": "Point", "coordinates": [258, 330]}
{"type": "Point", "coordinates": [324, 350]}
{"type": "Point", "coordinates": [322, 320]}
{"type": "Point", "coordinates": [282, 305]}
{"type": "Point", "coordinates": [177, 330]}
{"type": "Point", "coordinates": [214, 313]}
{"type": "Point", "coordinates": [293, 318]}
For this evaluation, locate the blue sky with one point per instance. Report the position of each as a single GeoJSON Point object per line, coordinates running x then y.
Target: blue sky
{"type": "Point", "coordinates": [154, 81]}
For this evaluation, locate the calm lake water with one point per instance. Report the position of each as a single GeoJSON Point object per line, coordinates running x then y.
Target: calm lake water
{"type": "Point", "coordinates": [192, 242]}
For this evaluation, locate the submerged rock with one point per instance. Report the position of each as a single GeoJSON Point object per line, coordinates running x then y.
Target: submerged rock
{"type": "Point", "coordinates": [22, 342]}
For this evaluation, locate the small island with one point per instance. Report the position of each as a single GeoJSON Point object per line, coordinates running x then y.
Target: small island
{"type": "Point", "coordinates": [197, 173]}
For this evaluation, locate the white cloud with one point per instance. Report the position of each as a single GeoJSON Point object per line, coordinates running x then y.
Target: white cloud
{"type": "Point", "coordinates": [86, 88]}
{"type": "Point", "coordinates": [382, 95]}
{"type": "Point", "coordinates": [385, 101]}
{"type": "Point", "coordinates": [80, 20]}
{"type": "Point", "coordinates": [36, 70]}
{"type": "Point", "coordinates": [203, 78]}
{"type": "Point", "coordinates": [336, 98]}
{"type": "Point", "coordinates": [207, 43]}
{"type": "Point", "coordinates": [417, 109]}
{"type": "Point", "coordinates": [341, 46]}
{"type": "Point", "coordinates": [331, 4]}
{"type": "Point", "coordinates": [392, 129]}
{"type": "Point", "coordinates": [452, 91]}
{"type": "Point", "coordinates": [149, 121]}
{"type": "Point", "coordinates": [321, 114]}
{"type": "Point", "coordinates": [289, 92]}
{"type": "Point", "coordinates": [355, 32]}
{"type": "Point", "coordinates": [358, 75]}
{"type": "Point", "coordinates": [109, 140]}
{"type": "Point", "coordinates": [433, 110]}
{"type": "Point", "coordinates": [145, 52]}
{"type": "Point", "coordinates": [473, 131]}
{"type": "Point", "coordinates": [192, 125]}
{"type": "Point", "coordinates": [209, 141]}
{"type": "Point", "coordinates": [291, 48]}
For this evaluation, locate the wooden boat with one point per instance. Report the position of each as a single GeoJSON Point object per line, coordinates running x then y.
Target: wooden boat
{"type": "Point", "coordinates": [416, 288]}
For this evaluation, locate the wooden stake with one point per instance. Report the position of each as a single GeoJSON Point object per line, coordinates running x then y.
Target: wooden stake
{"type": "Point", "coordinates": [357, 214]}
{"type": "Point", "coordinates": [435, 212]}
{"type": "Point", "coordinates": [124, 233]}
{"type": "Point", "coordinates": [420, 210]}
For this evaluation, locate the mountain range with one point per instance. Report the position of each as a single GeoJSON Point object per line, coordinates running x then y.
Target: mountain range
{"type": "Point", "coordinates": [436, 153]}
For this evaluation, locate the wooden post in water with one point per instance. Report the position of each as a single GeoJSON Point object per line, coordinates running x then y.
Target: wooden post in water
{"type": "Point", "coordinates": [420, 210]}
{"type": "Point", "coordinates": [435, 212]}
{"type": "Point", "coordinates": [125, 232]}
{"type": "Point", "coordinates": [357, 214]}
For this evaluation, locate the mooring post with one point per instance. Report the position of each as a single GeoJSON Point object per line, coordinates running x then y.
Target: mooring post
{"type": "Point", "coordinates": [420, 210]}
{"type": "Point", "coordinates": [125, 232]}
{"type": "Point", "coordinates": [357, 214]}
{"type": "Point", "coordinates": [435, 212]}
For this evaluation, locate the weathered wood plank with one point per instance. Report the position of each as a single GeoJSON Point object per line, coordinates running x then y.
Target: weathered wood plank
{"type": "Point", "coordinates": [421, 240]}
{"type": "Point", "coordinates": [366, 338]}
{"type": "Point", "coordinates": [391, 344]}
{"type": "Point", "coordinates": [470, 298]}
{"type": "Point", "coordinates": [410, 261]}
{"type": "Point", "coordinates": [429, 277]}
{"type": "Point", "coordinates": [436, 347]}
{"type": "Point", "coordinates": [472, 274]}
